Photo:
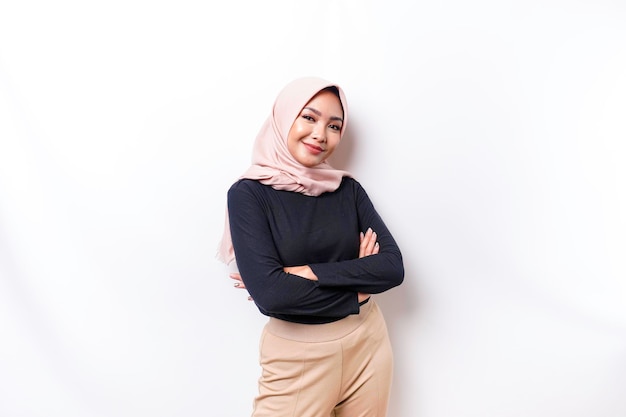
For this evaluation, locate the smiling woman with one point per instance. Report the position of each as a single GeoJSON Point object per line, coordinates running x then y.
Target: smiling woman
{"type": "Point", "coordinates": [310, 249]}
{"type": "Point", "coordinates": [316, 132]}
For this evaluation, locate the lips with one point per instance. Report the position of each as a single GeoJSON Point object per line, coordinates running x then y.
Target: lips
{"type": "Point", "coordinates": [314, 149]}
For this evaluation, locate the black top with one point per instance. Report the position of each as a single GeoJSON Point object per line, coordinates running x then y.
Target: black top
{"type": "Point", "coordinates": [271, 229]}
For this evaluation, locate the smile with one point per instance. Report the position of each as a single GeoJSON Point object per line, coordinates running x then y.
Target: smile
{"type": "Point", "coordinates": [313, 148]}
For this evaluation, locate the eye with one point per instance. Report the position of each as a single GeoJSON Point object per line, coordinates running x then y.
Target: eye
{"type": "Point", "coordinates": [307, 117]}
{"type": "Point", "coordinates": [335, 127]}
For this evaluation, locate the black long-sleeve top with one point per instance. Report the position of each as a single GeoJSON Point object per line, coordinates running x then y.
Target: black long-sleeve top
{"type": "Point", "coordinates": [272, 229]}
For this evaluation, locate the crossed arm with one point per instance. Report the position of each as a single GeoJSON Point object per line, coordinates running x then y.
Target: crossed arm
{"type": "Point", "coordinates": [368, 246]}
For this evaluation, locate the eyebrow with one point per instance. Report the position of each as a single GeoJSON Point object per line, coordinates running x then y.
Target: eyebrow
{"type": "Point", "coordinates": [319, 113]}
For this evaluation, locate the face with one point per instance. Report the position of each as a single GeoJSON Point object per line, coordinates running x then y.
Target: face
{"type": "Point", "coordinates": [316, 132]}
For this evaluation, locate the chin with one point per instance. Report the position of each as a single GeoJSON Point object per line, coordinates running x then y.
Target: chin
{"type": "Point", "coordinates": [308, 162]}
{"type": "Point", "coordinates": [314, 163]}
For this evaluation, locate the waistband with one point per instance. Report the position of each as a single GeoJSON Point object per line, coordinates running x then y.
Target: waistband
{"type": "Point", "coordinates": [320, 332]}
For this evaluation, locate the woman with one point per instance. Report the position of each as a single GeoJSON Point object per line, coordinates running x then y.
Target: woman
{"type": "Point", "coordinates": [310, 249]}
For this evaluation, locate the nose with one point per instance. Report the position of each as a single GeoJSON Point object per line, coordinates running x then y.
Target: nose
{"type": "Point", "coordinates": [319, 133]}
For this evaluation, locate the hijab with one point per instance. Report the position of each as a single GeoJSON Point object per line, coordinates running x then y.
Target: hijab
{"type": "Point", "coordinates": [273, 164]}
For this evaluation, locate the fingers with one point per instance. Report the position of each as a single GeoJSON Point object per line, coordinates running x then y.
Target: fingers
{"type": "Point", "coordinates": [238, 281]}
{"type": "Point", "coordinates": [369, 245]}
{"type": "Point", "coordinates": [376, 249]}
{"type": "Point", "coordinates": [361, 251]}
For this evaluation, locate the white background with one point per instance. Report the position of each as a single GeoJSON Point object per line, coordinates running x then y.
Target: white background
{"type": "Point", "coordinates": [489, 134]}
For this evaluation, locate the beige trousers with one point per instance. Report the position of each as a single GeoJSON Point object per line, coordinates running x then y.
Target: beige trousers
{"type": "Point", "coordinates": [340, 369]}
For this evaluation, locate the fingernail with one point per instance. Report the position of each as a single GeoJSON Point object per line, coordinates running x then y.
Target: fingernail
{"type": "Point", "coordinates": [236, 284]}
{"type": "Point", "coordinates": [369, 229]}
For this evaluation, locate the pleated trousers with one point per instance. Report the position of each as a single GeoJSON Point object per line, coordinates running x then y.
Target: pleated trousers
{"type": "Point", "coordinates": [339, 369]}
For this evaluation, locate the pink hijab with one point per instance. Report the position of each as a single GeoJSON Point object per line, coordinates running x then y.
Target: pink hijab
{"type": "Point", "coordinates": [273, 164]}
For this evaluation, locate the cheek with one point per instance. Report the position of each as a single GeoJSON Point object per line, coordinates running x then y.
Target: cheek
{"type": "Point", "coordinates": [296, 132]}
{"type": "Point", "coordinates": [333, 143]}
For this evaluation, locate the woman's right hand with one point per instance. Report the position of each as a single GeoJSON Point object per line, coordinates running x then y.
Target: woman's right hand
{"type": "Point", "coordinates": [369, 246]}
{"type": "Point", "coordinates": [239, 282]}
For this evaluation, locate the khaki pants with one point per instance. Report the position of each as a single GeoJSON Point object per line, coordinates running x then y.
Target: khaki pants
{"type": "Point", "coordinates": [340, 369]}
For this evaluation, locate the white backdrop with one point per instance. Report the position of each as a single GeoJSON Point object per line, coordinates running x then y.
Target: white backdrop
{"type": "Point", "coordinates": [490, 135]}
